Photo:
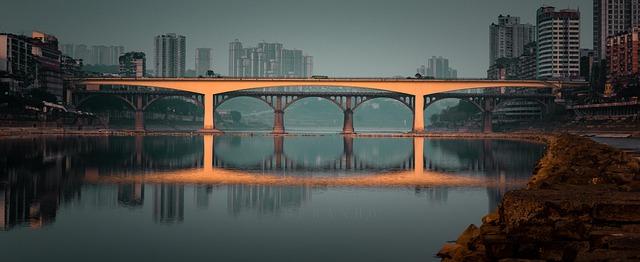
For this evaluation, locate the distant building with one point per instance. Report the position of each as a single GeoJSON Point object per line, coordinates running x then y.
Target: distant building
{"type": "Point", "coordinates": [105, 55]}
{"type": "Point", "coordinates": [82, 52]}
{"type": "Point", "coordinates": [610, 18]}
{"type": "Point", "coordinates": [48, 56]}
{"type": "Point", "coordinates": [623, 56]}
{"type": "Point", "coordinates": [203, 61]}
{"type": "Point", "coordinates": [508, 38]}
{"type": "Point", "coordinates": [68, 50]}
{"type": "Point", "coordinates": [268, 60]}
{"type": "Point", "coordinates": [170, 53]}
{"type": "Point", "coordinates": [133, 64]}
{"type": "Point", "coordinates": [438, 67]}
{"type": "Point", "coordinates": [17, 65]}
{"type": "Point", "coordinates": [558, 43]}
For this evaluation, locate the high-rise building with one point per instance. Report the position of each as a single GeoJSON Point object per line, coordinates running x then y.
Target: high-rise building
{"type": "Point", "coordinates": [308, 66]}
{"type": "Point", "coordinates": [507, 38]}
{"type": "Point", "coordinates": [48, 56]}
{"type": "Point", "coordinates": [133, 64]}
{"type": "Point", "coordinates": [268, 60]}
{"type": "Point", "coordinates": [623, 56]}
{"type": "Point", "coordinates": [170, 54]}
{"type": "Point", "coordinates": [235, 57]}
{"type": "Point", "coordinates": [527, 62]}
{"type": "Point", "coordinates": [438, 67]}
{"type": "Point", "coordinates": [17, 65]}
{"type": "Point", "coordinates": [203, 61]}
{"type": "Point", "coordinates": [558, 43]}
{"type": "Point", "coordinates": [610, 18]}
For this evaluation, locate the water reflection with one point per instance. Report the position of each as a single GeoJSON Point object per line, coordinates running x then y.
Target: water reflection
{"type": "Point", "coordinates": [260, 174]}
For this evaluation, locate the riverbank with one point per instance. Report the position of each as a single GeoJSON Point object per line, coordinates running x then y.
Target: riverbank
{"type": "Point", "coordinates": [582, 204]}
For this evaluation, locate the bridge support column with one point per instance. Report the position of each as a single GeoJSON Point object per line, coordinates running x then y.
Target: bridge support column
{"type": "Point", "coordinates": [487, 116]}
{"type": "Point", "coordinates": [139, 115]}
{"type": "Point", "coordinates": [487, 122]}
{"type": "Point", "coordinates": [209, 115]}
{"type": "Point", "coordinates": [278, 118]}
{"type": "Point", "coordinates": [347, 128]}
{"type": "Point", "coordinates": [418, 114]}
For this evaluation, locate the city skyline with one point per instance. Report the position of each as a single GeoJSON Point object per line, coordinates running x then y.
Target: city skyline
{"type": "Point", "coordinates": [364, 28]}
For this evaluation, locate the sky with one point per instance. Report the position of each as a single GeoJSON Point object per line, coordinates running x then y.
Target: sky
{"type": "Point", "coordinates": [375, 38]}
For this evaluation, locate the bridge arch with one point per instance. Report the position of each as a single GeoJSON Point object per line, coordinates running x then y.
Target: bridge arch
{"type": "Point", "coordinates": [194, 100]}
{"type": "Point", "coordinates": [81, 102]}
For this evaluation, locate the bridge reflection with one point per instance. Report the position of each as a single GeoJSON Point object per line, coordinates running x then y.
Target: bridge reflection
{"type": "Point", "coordinates": [262, 174]}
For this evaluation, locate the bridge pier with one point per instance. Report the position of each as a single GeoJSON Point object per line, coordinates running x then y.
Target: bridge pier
{"type": "Point", "coordinates": [347, 128]}
{"type": "Point", "coordinates": [209, 115]}
{"type": "Point", "coordinates": [418, 114]}
{"type": "Point", "coordinates": [487, 115]}
{"type": "Point", "coordinates": [139, 114]}
{"type": "Point", "coordinates": [278, 118]}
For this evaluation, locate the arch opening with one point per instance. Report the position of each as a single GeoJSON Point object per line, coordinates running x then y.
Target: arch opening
{"type": "Point", "coordinates": [114, 111]}
{"type": "Point", "coordinates": [173, 113]}
{"type": "Point", "coordinates": [453, 114]}
{"type": "Point", "coordinates": [383, 115]}
{"type": "Point", "coordinates": [313, 115]}
{"type": "Point", "coordinates": [244, 113]}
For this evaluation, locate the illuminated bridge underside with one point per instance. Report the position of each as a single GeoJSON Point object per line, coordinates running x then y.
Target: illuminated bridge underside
{"type": "Point", "coordinates": [417, 88]}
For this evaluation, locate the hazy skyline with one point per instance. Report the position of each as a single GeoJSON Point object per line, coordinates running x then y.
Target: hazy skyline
{"type": "Point", "coordinates": [346, 37]}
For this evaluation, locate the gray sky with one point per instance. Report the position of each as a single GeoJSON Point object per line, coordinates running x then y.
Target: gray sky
{"type": "Point", "coordinates": [346, 37]}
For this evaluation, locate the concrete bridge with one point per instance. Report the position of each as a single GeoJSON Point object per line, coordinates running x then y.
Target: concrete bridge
{"type": "Point", "coordinates": [411, 92]}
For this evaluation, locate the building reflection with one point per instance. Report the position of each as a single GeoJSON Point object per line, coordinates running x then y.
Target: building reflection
{"type": "Point", "coordinates": [265, 199]}
{"type": "Point", "coordinates": [168, 203]}
{"type": "Point", "coordinates": [131, 195]}
{"type": "Point", "coordinates": [202, 195]}
{"type": "Point", "coordinates": [38, 175]}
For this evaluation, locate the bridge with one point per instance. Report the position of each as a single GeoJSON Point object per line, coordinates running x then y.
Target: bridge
{"type": "Point", "coordinates": [416, 94]}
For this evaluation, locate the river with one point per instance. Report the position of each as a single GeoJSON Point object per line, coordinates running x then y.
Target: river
{"type": "Point", "coordinates": [248, 198]}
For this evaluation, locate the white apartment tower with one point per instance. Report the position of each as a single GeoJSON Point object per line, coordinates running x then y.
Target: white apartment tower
{"type": "Point", "coordinates": [170, 54]}
{"type": "Point", "coordinates": [558, 43]}
{"type": "Point", "coordinates": [508, 38]}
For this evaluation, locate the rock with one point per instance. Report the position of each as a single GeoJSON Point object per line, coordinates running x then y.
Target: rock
{"type": "Point", "coordinates": [468, 237]}
{"type": "Point", "coordinates": [491, 218]}
{"type": "Point", "coordinates": [582, 204]}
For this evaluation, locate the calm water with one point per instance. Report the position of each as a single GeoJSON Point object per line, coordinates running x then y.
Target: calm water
{"type": "Point", "coordinates": [233, 198]}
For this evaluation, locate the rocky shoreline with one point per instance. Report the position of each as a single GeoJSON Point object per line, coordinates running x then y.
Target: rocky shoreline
{"type": "Point", "coordinates": [582, 204]}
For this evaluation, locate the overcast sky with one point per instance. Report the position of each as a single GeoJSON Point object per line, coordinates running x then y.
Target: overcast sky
{"type": "Point", "coordinates": [346, 37]}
